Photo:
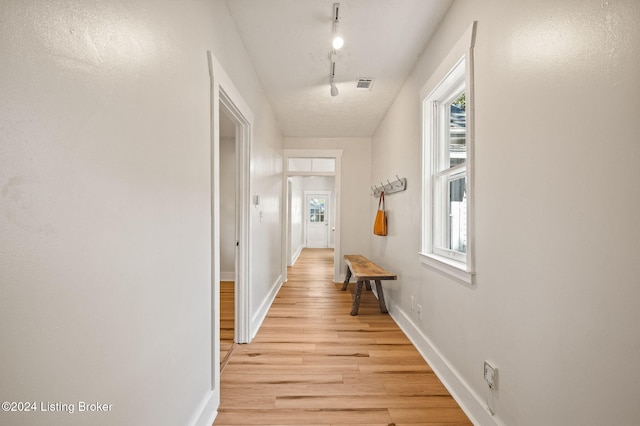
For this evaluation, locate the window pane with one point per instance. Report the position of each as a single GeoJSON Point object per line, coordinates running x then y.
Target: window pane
{"type": "Point", "coordinates": [300, 164]}
{"type": "Point", "coordinates": [458, 215]}
{"type": "Point", "coordinates": [458, 130]}
{"type": "Point", "coordinates": [316, 210]}
{"type": "Point", "coordinates": [312, 164]}
{"type": "Point", "coordinates": [323, 164]}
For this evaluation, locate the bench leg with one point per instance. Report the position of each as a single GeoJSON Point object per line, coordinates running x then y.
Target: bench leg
{"type": "Point", "coordinates": [356, 298]}
{"type": "Point", "coordinates": [346, 280]}
{"type": "Point", "coordinates": [383, 305]}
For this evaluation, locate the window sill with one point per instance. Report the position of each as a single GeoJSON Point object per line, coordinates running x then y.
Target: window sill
{"type": "Point", "coordinates": [451, 268]}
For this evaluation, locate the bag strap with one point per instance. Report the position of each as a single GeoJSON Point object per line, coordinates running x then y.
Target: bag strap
{"type": "Point", "coordinates": [381, 200]}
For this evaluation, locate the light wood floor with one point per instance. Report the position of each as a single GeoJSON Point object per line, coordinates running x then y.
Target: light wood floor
{"type": "Point", "coordinates": [314, 364]}
{"type": "Point", "coordinates": [227, 321]}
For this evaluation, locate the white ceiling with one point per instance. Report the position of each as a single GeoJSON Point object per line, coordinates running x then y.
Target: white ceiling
{"type": "Point", "coordinates": [289, 43]}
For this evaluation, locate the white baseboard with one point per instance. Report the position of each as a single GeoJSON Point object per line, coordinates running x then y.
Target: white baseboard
{"type": "Point", "coordinates": [470, 402]}
{"type": "Point", "coordinates": [227, 276]}
{"type": "Point", "coordinates": [207, 410]}
{"type": "Point", "coordinates": [261, 313]}
{"type": "Point", "coordinates": [296, 255]}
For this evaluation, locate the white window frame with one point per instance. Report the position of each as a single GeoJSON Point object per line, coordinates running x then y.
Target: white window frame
{"type": "Point", "coordinates": [454, 75]}
{"type": "Point", "coordinates": [436, 111]}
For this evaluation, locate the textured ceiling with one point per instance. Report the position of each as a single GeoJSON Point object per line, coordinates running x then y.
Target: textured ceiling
{"type": "Point", "coordinates": [289, 43]}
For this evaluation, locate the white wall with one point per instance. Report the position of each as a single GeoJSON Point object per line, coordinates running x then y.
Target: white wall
{"type": "Point", "coordinates": [556, 302]}
{"type": "Point", "coordinates": [355, 188]}
{"type": "Point", "coordinates": [105, 194]}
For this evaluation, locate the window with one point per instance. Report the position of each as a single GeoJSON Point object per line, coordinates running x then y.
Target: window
{"type": "Point", "coordinates": [447, 165]}
{"type": "Point", "coordinates": [316, 210]}
{"type": "Point", "coordinates": [449, 173]}
{"type": "Point", "coordinates": [299, 164]}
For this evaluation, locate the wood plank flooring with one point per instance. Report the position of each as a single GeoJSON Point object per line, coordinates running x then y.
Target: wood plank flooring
{"type": "Point", "coordinates": [314, 364]}
{"type": "Point", "coordinates": [227, 321]}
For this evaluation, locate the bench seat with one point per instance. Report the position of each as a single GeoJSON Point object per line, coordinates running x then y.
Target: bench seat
{"type": "Point", "coordinates": [365, 271]}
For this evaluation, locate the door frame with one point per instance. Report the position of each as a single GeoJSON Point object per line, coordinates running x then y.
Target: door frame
{"type": "Point", "coordinates": [223, 94]}
{"type": "Point", "coordinates": [242, 317]}
{"type": "Point", "coordinates": [287, 223]}
{"type": "Point", "coordinates": [312, 153]}
{"type": "Point", "coordinates": [328, 215]}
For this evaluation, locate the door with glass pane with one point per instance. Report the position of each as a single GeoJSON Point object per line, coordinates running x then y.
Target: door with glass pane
{"type": "Point", "coordinates": [317, 219]}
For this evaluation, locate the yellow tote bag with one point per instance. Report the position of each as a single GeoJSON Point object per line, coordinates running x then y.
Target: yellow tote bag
{"type": "Point", "coordinates": [380, 224]}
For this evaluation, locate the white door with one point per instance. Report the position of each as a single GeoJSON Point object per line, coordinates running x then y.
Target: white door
{"type": "Point", "coordinates": [317, 219]}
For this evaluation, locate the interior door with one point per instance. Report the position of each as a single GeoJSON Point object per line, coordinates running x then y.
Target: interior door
{"type": "Point", "coordinates": [317, 220]}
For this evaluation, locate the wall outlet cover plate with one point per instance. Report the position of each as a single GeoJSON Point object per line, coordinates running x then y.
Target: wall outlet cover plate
{"type": "Point", "coordinates": [490, 374]}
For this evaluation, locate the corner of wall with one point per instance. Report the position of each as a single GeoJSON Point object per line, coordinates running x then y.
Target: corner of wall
{"type": "Point", "coordinates": [261, 312]}
{"type": "Point", "coordinates": [296, 255]}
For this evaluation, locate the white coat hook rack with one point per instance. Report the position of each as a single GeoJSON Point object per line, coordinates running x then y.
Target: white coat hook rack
{"type": "Point", "coordinates": [400, 184]}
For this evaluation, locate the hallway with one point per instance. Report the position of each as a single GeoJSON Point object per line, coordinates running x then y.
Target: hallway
{"type": "Point", "coordinates": [314, 364]}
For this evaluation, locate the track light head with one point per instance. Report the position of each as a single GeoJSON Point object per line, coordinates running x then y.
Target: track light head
{"type": "Point", "coordinates": [337, 42]}
{"type": "Point", "coordinates": [332, 76]}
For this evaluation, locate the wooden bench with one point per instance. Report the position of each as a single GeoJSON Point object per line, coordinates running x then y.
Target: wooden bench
{"type": "Point", "coordinates": [364, 272]}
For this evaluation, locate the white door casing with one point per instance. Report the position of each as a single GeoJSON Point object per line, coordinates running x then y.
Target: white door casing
{"type": "Point", "coordinates": [223, 94]}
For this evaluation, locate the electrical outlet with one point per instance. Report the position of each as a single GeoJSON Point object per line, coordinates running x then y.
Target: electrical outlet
{"type": "Point", "coordinates": [420, 311]}
{"type": "Point", "coordinates": [413, 303]}
{"type": "Point", "coordinates": [490, 375]}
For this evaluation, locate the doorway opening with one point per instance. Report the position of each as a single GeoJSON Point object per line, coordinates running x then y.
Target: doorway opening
{"type": "Point", "coordinates": [234, 203]}
{"type": "Point", "coordinates": [311, 223]}
{"type": "Point", "coordinates": [228, 234]}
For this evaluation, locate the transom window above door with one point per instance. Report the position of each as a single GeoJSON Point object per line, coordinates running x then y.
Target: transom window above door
{"type": "Point", "coordinates": [300, 164]}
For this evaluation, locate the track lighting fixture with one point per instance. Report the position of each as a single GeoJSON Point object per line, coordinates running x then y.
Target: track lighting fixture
{"type": "Point", "coordinates": [332, 83]}
{"type": "Point", "coordinates": [337, 41]}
